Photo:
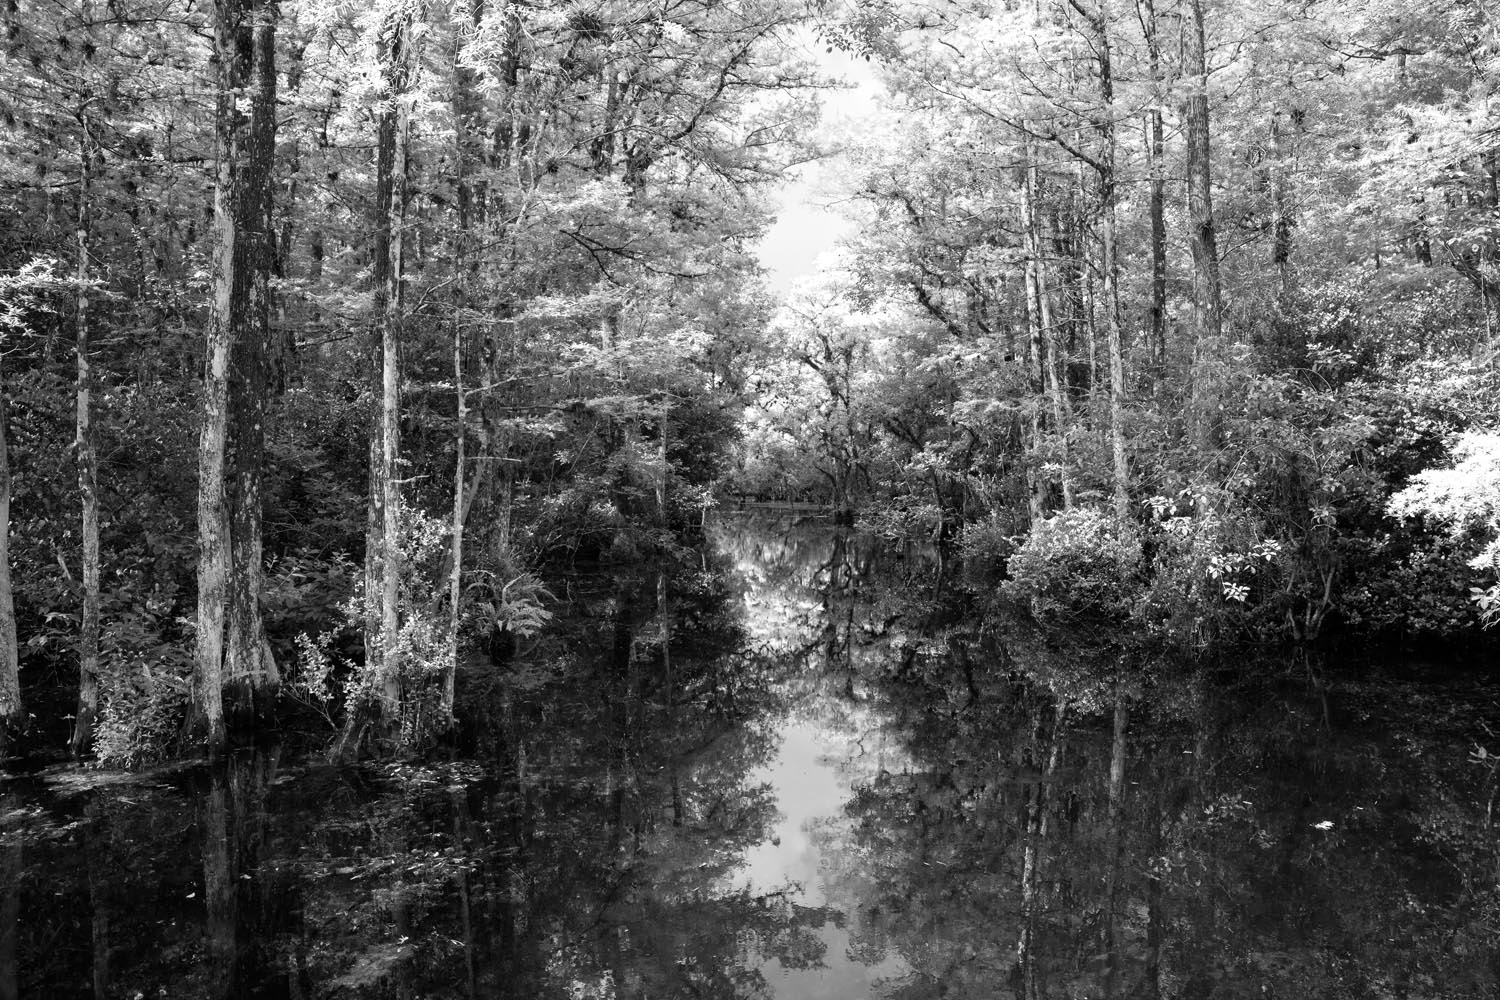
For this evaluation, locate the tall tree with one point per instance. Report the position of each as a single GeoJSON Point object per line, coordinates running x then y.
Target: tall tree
{"type": "Point", "coordinates": [383, 539]}
{"type": "Point", "coordinates": [1155, 138]}
{"type": "Point", "coordinates": [1109, 198]}
{"type": "Point", "coordinates": [88, 462]}
{"type": "Point", "coordinates": [231, 649]}
{"type": "Point", "coordinates": [11, 713]}
{"type": "Point", "coordinates": [1208, 294]}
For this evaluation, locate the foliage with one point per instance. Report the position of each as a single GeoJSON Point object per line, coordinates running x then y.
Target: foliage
{"type": "Point", "coordinates": [1465, 498]}
{"type": "Point", "coordinates": [1080, 564]}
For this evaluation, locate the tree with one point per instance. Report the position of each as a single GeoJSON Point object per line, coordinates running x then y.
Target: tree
{"type": "Point", "coordinates": [11, 711]}
{"type": "Point", "coordinates": [394, 46]}
{"type": "Point", "coordinates": [232, 654]}
{"type": "Point", "coordinates": [88, 461]}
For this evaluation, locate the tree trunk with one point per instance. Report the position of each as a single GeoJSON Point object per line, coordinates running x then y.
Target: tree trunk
{"type": "Point", "coordinates": [1051, 353]}
{"type": "Point", "coordinates": [383, 554]}
{"type": "Point", "coordinates": [250, 671]}
{"type": "Point", "coordinates": [1207, 291]}
{"type": "Point", "coordinates": [1036, 488]}
{"type": "Point", "coordinates": [1109, 199]}
{"type": "Point", "coordinates": [231, 647]}
{"type": "Point", "coordinates": [456, 540]}
{"type": "Point", "coordinates": [11, 714]}
{"type": "Point", "coordinates": [88, 631]}
{"type": "Point", "coordinates": [1157, 198]}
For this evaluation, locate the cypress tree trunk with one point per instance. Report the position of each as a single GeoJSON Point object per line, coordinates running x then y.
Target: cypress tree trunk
{"type": "Point", "coordinates": [88, 632]}
{"type": "Point", "coordinates": [1109, 201]}
{"type": "Point", "coordinates": [466, 153]}
{"type": "Point", "coordinates": [1157, 198]}
{"type": "Point", "coordinates": [383, 556]}
{"type": "Point", "coordinates": [11, 713]}
{"type": "Point", "coordinates": [1207, 291]}
{"type": "Point", "coordinates": [1048, 350]}
{"type": "Point", "coordinates": [231, 646]}
{"type": "Point", "coordinates": [250, 674]}
{"type": "Point", "coordinates": [1035, 487]}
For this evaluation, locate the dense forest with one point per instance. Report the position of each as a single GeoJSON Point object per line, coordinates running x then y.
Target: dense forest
{"type": "Point", "coordinates": [330, 330]}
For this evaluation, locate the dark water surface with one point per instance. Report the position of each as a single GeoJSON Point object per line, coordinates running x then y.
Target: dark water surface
{"type": "Point", "coordinates": [837, 779]}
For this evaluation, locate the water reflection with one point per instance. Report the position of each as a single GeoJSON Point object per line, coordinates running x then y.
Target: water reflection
{"type": "Point", "coordinates": [801, 765]}
{"type": "Point", "coordinates": [811, 785]}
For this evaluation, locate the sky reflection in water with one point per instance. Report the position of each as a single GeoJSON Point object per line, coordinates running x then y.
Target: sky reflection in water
{"type": "Point", "coordinates": [811, 785]}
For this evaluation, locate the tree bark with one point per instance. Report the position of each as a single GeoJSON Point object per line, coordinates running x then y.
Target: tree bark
{"type": "Point", "coordinates": [11, 713]}
{"type": "Point", "coordinates": [1157, 197]}
{"type": "Point", "coordinates": [231, 649]}
{"type": "Point", "coordinates": [88, 631]}
{"type": "Point", "coordinates": [1035, 485]}
{"type": "Point", "coordinates": [456, 529]}
{"type": "Point", "coordinates": [383, 556]}
{"type": "Point", "coordinates": [1109, 201]}
{"type": "Point", "coordinates": [1207, 291]}
{"type": "Point", "coordinates": [1050, 353]}
{"type": "Point", "coordinates": [251, 673]}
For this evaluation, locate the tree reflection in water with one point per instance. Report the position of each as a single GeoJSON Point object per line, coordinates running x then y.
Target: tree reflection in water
{"type": "Point", "coordinates": [1002, 814]}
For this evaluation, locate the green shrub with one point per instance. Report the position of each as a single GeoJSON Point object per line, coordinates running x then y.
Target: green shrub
{"type": "Point", "coordinates": [1076, 563]}
{"type": "Point", "coordinates": [988, 542]}
{"type": "Point", "coordinates": [1210, 571]}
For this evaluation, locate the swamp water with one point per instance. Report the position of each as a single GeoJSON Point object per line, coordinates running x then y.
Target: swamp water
{"type": "Point", "coordinates": [837, 779]}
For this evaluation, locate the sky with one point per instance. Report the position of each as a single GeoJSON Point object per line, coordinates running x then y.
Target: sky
{"type": "Point", "coordinates": [809, 223]}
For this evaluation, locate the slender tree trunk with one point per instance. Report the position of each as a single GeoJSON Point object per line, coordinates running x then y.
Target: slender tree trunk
{"type": "Point", "coordinates": [1109, 200]}
{"type": "Point", "coordinates": [466, 154]}
{"type": "Point", "coordinates": [88, 632]}
{"type": "Point", "coordinates": [456, 538]}
{"type": "Point", "coordinates": [383, 556]}
{"type": "Point", "coordinates": [1207, 291]}
{"type": "Point", "coordinates": [661, 462]}
{"type": "Point", "coordinates": [1052, 355]}
{"type": "Point", "coordinates": [1036, 487]}
{"type": "Point", "coordinates": [1157, 197]}
{"type": "Point", "coordinates": [11, 713]}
